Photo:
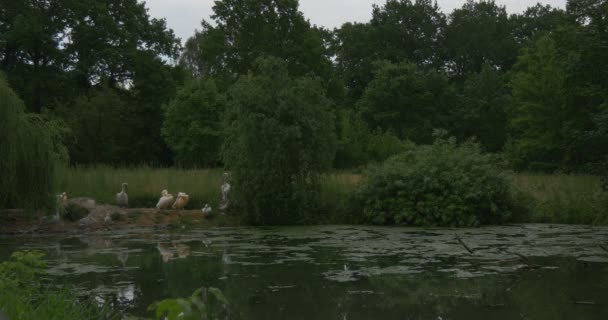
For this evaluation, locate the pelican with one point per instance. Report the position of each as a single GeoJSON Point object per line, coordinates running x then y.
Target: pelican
{"type": "Point", "coordinates": [165, 200]}
{"type": "Point", "coordinates": [107, 219]}
{"type": "Point", "coordinates": [206, 210]}
{"type": "Point", "coordinates": [122, 199]}
{"type": "Point", "coordinates": [181, 201]}
{"type": "Point", "coordinates": [62, 200]}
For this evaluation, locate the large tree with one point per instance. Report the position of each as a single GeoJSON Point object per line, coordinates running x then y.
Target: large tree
{"type": "Point", "coordinates": [407, 100]}
{"type": "Point", "coordinates": [400, 30]}
{"type": "Point", "coordinates": [479, 33]}
{"type": "Point", "coordinates": [244, 30]}
{"type": "Point", "coordinates": [57, 54]}
{"type": "Point", "coordinates": [279, 139]}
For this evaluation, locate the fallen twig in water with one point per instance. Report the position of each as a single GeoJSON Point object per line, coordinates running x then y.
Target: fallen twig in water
{"type": "Point", "coordinates": [464, 244]}
{"type": "Point", "coordinates": [587, 303]}
{"type": "Point", "coordinates": [603, 247]}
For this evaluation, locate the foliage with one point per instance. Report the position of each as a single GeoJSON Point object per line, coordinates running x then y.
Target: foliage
{"type": "Point", "coordinates": [539, 115]}
{"type": "Point", "coordinates": [406, 100]}
{"type": "Point", "coordinates": [443, 184]}
{"type": "Point", "coordinates": [400, 30]}
{"type": "Point", "coordinates": [279, 138]}
{"type": "Point", "coordinates": [52, 49]}
{"type": "Point", "coordinates": [482, 109]}
{"type": "Point", "coordinates": [244, 30]}
{"type": "Point", "coordinates": [479, 33]}
{"type": "Point", "coordinates": [27, 155]}
{"type": "Point", "coordinates": [203, 304]}
{"type": "Point", "coordinates": [357, 144]}
{"type": "Point", "coordinates": [24, 297]}
{"type": "Point", "coordinates": [192, 126]}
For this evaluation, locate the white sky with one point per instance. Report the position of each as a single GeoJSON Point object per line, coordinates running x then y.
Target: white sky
{"type": "Point", "coordinates": [183, 16]}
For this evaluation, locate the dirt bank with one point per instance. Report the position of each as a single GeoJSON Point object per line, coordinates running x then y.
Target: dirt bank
{"type": "Point", "coordinates": [19, 221]}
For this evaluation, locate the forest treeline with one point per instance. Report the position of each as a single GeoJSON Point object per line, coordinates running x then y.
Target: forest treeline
{"type": "Point", "coordinates": [118, 87]}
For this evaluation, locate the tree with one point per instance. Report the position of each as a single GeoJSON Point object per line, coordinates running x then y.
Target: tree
{"type": "Point", "coordinates": [407, 100]}
{"type": "Point", "coordinates": [535, 22]}
{"type": "Point", "coordinates": [48, 46]}
{"type": "Point", "coordinates": [482, 114]}
{"type": "Point", "coordinates": [244, 30]}
{"type": "Point", "coordinates": [539, 108]}
{"type": "Point", "coordinates": [27, 159]}
{"type": "Point", "coordinates": [479, 33]}
{"type": "Point", "coordinates": [99, 125]}
{"type": "Point", "coordinates": [192, 126]}
{"type": "Point", "coordinates": [279, 138]}
{"type": "Point", "coordinates": [401, 30]}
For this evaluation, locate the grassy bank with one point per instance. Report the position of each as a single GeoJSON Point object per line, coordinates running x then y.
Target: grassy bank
{"type": "Point", "coordinates": [553, 198]}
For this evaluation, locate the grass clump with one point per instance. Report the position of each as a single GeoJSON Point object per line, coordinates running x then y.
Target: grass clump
{"type": "Point", "coordinates": [24, 297]}
{"type": "Point", "coordinates": [443, 184]}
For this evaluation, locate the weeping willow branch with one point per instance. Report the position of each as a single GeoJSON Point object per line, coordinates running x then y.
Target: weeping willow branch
{"type": "Point", "coordinates": [26, 156]}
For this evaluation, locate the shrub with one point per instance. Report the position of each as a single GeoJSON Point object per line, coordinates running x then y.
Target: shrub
{"type": "Point", "coordinates": [279, 139]}
{"type": "Point", "coordinates": [443, 184]}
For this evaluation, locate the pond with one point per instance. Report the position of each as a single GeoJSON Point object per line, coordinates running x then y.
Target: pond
{"type": "Point", "coordinates": [527, 271]}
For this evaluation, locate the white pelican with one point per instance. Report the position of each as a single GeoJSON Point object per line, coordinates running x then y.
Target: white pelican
{"type": "Point", "coordinates": [181, 201]}
{"type": "Point", "coordinates": [122, 199]}
{"type": "Point", "coordinates": [165, 200]}
{"type": "Point", "coordinates": [206, 209]}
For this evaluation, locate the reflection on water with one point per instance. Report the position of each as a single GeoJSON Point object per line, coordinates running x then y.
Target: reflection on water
{"type": "Point", "coordinates": [344, 272]}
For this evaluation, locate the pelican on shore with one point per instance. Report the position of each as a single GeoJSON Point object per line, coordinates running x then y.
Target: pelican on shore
{"type": "Point", "coordinates": [181, 201]}
{"type": "Point", "coordinates": [122, 199]}
{"type": "Point", "coordinates": [206, 210]}
{"type": "Point", "coordinates": [165, 200]}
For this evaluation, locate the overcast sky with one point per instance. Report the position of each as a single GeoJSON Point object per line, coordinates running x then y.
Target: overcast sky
{"type": "Point", "coordinates": [183, 16]}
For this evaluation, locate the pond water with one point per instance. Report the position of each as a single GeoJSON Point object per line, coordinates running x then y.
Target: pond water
{"type": "Point", "coordinates": [343, 272]}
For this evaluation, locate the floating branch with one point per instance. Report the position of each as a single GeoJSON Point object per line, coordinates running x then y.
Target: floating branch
{"type": "Point", "coordinates": [603, 247]}
{"type": "Point", "coordinates": [464, 244]}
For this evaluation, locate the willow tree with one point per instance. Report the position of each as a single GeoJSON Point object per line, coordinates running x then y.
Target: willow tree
{"type": "Point", "coordinates": [26, 155]}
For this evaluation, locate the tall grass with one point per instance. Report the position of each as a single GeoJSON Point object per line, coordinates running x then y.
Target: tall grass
{"type": "Point", "coordinates": [553, 198]}
{"type": "Point", "coordinates": [560, 198]}
{"type": "Point", "coordinates": [145, 184]}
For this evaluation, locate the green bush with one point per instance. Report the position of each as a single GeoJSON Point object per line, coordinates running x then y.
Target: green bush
{"type": "Point", "coordinates": [443, 184]}
{"type": "Point", "coordinates": [279, 140]}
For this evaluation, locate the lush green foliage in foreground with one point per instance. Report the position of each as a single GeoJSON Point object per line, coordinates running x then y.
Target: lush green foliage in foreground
{"type": "Point", "coordinates": [203, 304]}
{"type": "Point", "coordinates": [27, 155]}
{"type": "Point", "coordinates": [23, 297]}
{"type": "Point", "coordinates": [279, 140]}
{"type": "Point", "coordinates": [443, 184]}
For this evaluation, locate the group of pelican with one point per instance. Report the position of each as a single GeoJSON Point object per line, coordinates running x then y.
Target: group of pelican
{"type": "Point", "coordinates": [166, 199]}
